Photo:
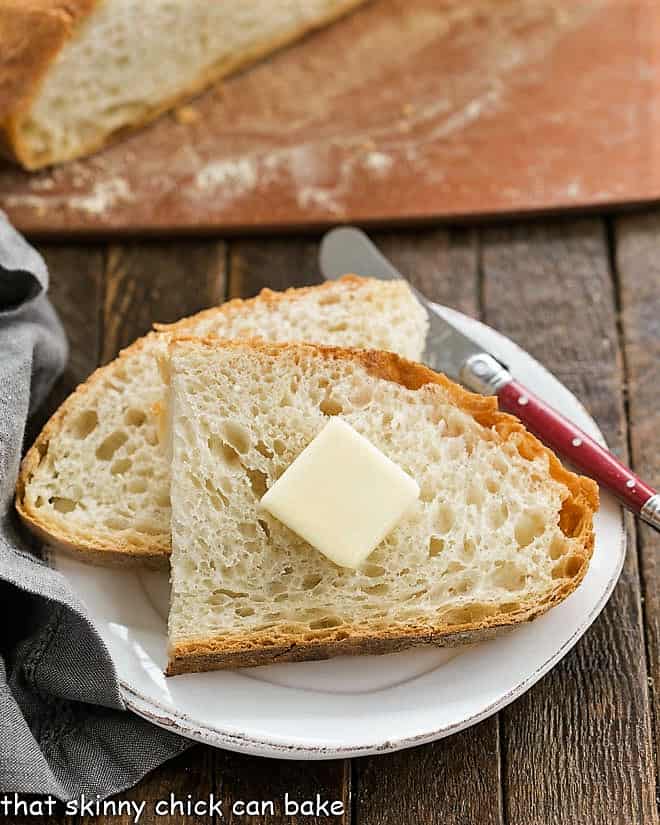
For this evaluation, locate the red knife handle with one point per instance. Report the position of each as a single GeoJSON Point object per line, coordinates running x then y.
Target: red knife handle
{"type": "Point", "coordinates": [585, 453]}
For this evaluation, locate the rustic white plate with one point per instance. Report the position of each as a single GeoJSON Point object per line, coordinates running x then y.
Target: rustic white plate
{"type": "Point", "coordinates": [347, 706]}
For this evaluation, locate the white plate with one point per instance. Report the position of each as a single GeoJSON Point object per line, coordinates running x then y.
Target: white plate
{"type": "Point", "coordinates": [347, 706]}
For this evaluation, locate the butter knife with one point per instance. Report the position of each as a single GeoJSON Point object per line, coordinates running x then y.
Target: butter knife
{"type": "Point", "coordinates": [349, 250]}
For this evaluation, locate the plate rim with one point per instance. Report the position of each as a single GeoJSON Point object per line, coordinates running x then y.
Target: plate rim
{"type": "Point", "coordinates": [273, 746]}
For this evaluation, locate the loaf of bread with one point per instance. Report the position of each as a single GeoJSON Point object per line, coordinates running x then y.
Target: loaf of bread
{"type": "Point", "coordinates": [75, 73]}
{"type": "Point", "coordinates": [500, 534]}
{"type": "Point", "coordinates": [96, 481]}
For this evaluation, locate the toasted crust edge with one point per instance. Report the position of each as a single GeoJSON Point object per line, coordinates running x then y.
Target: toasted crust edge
{"type": "Point", "coordinates": [26, 73]}
{"type": "Point", "coordinates": [137, 552]}
{"type": "Point", "coordinates": [576, 521]}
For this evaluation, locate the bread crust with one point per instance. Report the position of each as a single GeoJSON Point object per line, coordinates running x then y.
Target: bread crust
{"type": "Point", "coordinates": [140, 552]}
{"type": "Point", "coordinates": [36, 31]}
{"type": "Point", "coordinates": [32, 33]}
{"type": "Point", "coordinates": [576, 521]}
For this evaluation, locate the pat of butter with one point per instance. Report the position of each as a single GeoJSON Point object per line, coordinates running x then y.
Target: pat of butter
{"type": "Point", "coordinates": [341, 494]}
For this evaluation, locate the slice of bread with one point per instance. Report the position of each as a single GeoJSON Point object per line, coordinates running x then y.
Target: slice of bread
{"type": "Point", "coordinates": [96, 481]}
{"type": "Point", "coordinates": [74, 73]}
{"type": "Point", "coordinates": [500, 534]}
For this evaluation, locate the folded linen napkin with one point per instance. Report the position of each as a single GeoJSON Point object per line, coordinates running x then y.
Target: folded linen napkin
{"type": "Point", "coordinates": [65, 729]}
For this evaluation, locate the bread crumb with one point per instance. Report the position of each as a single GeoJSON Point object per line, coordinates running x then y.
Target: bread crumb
{"type": "Point", "coordinates": [186, 115]}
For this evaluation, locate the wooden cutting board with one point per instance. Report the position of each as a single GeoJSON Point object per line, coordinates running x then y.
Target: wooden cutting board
{"type": "Point", "coordinates": [405, 111]}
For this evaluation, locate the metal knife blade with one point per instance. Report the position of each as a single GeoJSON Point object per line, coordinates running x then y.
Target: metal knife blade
{"type": "Point", "coordinates": [348, 250]}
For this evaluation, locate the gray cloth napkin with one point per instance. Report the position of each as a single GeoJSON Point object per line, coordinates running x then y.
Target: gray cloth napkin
{"type": "Point", "coordinates": [64, 727]}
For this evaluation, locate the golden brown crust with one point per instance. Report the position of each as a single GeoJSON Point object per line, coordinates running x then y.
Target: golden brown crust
{"type": "Point", "coordinates": [268, 297]}
{"type": "Point", "coordinates": [38, 29]}
{"type": "Point", "coordinates": [576, 521]}
{"type": "Point", "coordinates": [32, 32]}
{"type": "Point", "coordinates": [110, 550]}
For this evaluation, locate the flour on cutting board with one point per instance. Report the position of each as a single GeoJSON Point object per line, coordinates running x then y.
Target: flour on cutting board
{"type": "Point", "coordinates": [233, 176]}
{"type": "Point", "coordinates": [102, 197]}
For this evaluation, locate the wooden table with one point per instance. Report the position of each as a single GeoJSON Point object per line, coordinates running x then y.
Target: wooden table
{"type": "Point", "coordinates": [583, 296]}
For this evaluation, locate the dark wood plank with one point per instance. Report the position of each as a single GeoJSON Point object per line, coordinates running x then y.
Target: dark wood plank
{"type": "Point", "coordinates": [276, 263]}
{"type": "Point", "coordinates": [157, 281]}
{"type": "Point", "coordinates": [76, 274]}
{"type": "Point", "coordinates": [577, 747]}
{"type": "Point", "coordinates": [245, 779]}
{"type": "Point", "coordinates": [638, 266]}
{"type": "Point", "coordinates": [454, 781]}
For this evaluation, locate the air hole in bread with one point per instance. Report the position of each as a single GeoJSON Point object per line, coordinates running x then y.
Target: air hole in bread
{"type": "Point", "coordinates": [42, 449]}
{"type": "Point", "coordinates": [39, 501]}
{"type": "Point", "coordinates": [445, 519]}
{"type": "Point", "coordinates": [264, 450]}
{"type": "Point", "coordinates": [340, 326]}
{"type": "Point", "coordinates": [63, 505]}
{"type": "Point", "coordinates": [373, 570]}
{"type": "Point", "coordinates": [264, 526]}
{"type": "Point", "coordinates": [376, 589]}
{"type": "Point", "coordinates": [325, 623]}
{"type": "Point", "coordinates": [116, 523]}
{"type": "Point", "coordinates": [426, 492]}
{"type": "Point", "coordinates": [149, 529]}
{"type": "Point", "coordinates": [310, 581]}
{"type": "Point", "coordinates": [558, 547]}
{"type": "Point", "coordinates": [86, 423]}
{"type": "Point", "coordinates": [455, 425]}
{"type": "Point", "coordinates": [509, 576]}
{"type": "Point", "coordinates": [248, 530]}
{"type": "Point", "coordinates": [120, 466]}
{"type": "Point", "coordinates": [244, 612]}
{"type": "Point", "coordinates": [475, 494]}
{"type": "Point", "coordinates": [223, 451]}
{"type": "Point", "coordinates": [135, 417]}
{"type": "Point", "coordinates": [330, 406]}
{"type": "Point", "coordinates": [492, 485]}
{"type": "Point", "coordinates": [436, 546]}
{"type": "Point", "coordinates": [257, 482]}
{"type": "Point", "coordinates": [568, 568]}
{"type": "Point", "coordinates": [469, 548]}
{"type": "Point", "coordinates": [570, 517]}
{"type": "Point", "coordinates": [499, 463]}
{"type": "Point", "coordinates": [236, 436]}
{"type": "Point", "coordinates": [463, 585]}
{"type": "Point", "coordinates": [529, 526]}
{"type": "Point", "coordinates": [218, 499]}
{"type": "Point", "coordinates": [329, 299]}
{"type": "Point", "coordinates": [460, 615]}
{"type": "Point", "coordinates": [232, 594]}
{"type": "Point", "coordinates": [279, 446]}
{"type": "Point", "coordinates": [225, 485]}
{"type": "Point", "coordinates": [138, 485]}
{"type": "Point", "coordinates": [498, 515]}
{"type": "Point", "coordinates": [109, 446]}
{"type": "Point", "coordinates": [361, 398]}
